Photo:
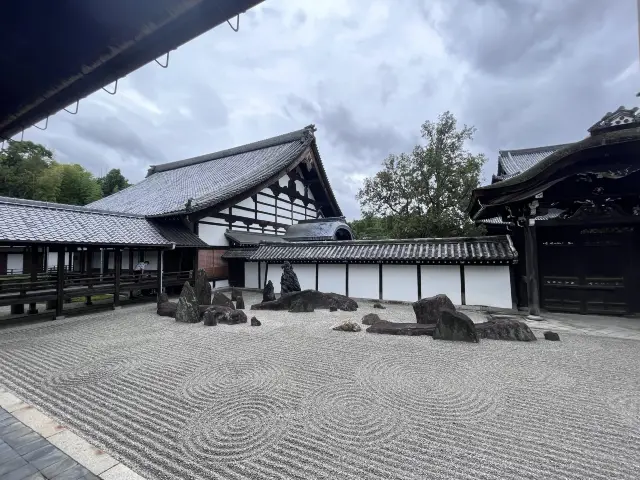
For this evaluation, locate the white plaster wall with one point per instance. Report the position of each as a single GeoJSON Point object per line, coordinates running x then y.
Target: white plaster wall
{"type": "Point", "coordinates": [332, 278]}
{"type": "Point", "coordinates": [212, 234]}
{"type": "Point", "coordinates": [310, 195]}
{"type": "Point", "coordinates": [400, 282]}
{"type": "Point", "coordinates": [263, 273]}
{"type": "Point", "coordinates": [283, 181]}
{"type": "Point", "coordinates": [364, 280]}
{"type": "Point", "coordinates": [222, 283]}
{"type": "Point", "coordinates": [14, 262]}
{"type": "Point", "coordinates": [306, 273]}
{"type": "Point", "coordinates": [274, 274]}
{"type": "Point", "coordinates": [445, 279]}
{"type": "Point", "coordinates": [488, 285]}
{"type": "Point", "coordinates": [239, 226]}
{"type": "Point", "coordinates": [299, 187]}
{"type": "Point", "coordinates": [251, 274]}
{"type": "Point", "coordinates": [247, 203]}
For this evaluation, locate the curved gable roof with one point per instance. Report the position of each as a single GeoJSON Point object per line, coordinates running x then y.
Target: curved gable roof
{"type": "Point", "coordinates": [208, 180]}
{"type": "Point", "coordinates": [317, 229]}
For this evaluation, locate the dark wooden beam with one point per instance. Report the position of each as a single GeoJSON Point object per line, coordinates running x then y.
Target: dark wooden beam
{"type": "Point", "coordinates": [159, 269]}
{"type": "Point", "coordinates": [531, 259]}
{"type": "Point", "coordinates": [463, 294]}
{"type": "Point", "coordinates": [60, 283]}
{"type": "Point", "coordinates": [35, 266]}
{"type": "Point", "coordinates": [117, 267]}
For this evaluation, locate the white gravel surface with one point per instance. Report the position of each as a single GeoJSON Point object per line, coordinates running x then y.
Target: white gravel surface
{"type": "Point", "coordinates": [295, 399]}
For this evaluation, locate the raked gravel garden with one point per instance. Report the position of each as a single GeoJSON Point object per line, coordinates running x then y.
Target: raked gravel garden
{"type": "Point", "coordinates": [294, 399]}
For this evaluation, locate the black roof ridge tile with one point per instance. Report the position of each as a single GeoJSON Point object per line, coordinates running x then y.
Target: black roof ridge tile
{"type": "Point", "coordinates": [533, 149]}
{"type": "Point", "coordinates": [399, 241]}
{"type": "Point", "coordinates": [300, 135]}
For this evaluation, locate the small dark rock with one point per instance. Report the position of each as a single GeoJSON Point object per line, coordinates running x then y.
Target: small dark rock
{"type": "Point", "coordinates": [210, 318]}
{"type": "Point", "coordinates": [379, 305]}
{"type": "Point", "coordinates": [428, 309]}
{"type": "Point", "coordinates": [455, 326]}
{"type": "Point", "coordinates": [187, 310]}
{"type": "Point", "coordinates": [268, 294]}
{"type": "Point", "coordinates": [255, 322]}
{"type": "Point", "coordinates": [163, 298]}
{"type": "Point", "coordinates": [289, 280]}
{"type": "Point", "coordinates": [505, 330]}
{"type": "Point", "coordinates": [220, 298]}
{"type": "Point", "coordinates": [234, 294]}
{"type": "Point", "coordinates": [301, 305]}
{"type": "Point", "coordinates": [202, 288]}
{"type": "Point", "coordinates": [216, 314]}
{"type": "Point", "coordinates": [553, 336]}
{"type": "Point", "coordinates": [237, 316]}
{"type": "Point", "coordinates": [411, 329]}
{"type": "Point", "coordinates": [348, 327]}
{"type": "Point", "coordinates": [371, 318]}
{"type": "Point", "coordinates": [240, 302]}
{"type": "Point", "coordinates": [333, 308]}
{"type": "Point", "coordinates": [167, 309]}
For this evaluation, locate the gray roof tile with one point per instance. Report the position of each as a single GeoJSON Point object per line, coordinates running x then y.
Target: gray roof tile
{"type": "Point", "coordinates": [32, 221]}
{"type": "Point", "coordinates": [209, 179]}
{"type": "Point", "coordinates": [512, 162]}
{"type": "Point", "coordinates": [251, 238]}
{"type": "Point", "coordinates": [488, 249]}
{"type": "Point", "coordinates": [234, 253]}
{"type": "Point", "coordinates": [316, 229]}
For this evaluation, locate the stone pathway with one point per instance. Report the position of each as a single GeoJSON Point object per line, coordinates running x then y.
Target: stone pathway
{"type": "Point", "coordinates": [35, 447]}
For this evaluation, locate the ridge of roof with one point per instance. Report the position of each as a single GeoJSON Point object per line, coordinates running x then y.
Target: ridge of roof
{"type": "Point", "coordinates": [520, 151]}
{"type": "Point", "coordinates": [301, 135]}
{"type": "Point", "coordinates": [64, 206]}
{"type": "Point", "coordinates": [400, 241]}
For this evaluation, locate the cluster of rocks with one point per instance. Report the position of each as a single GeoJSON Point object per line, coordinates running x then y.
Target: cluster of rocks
{"type": "Point", "coordinates": [437, 317]}
{"type": "Point", "coordinates": [200, 304]}
{"type": "Point", "coordinates": [307, 301]}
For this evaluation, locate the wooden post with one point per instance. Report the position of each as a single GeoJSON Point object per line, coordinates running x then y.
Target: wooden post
{"type": "Point", "coordinates": [71, 250]}
{"type": "Point", "coordinates": [195, 266]}
{"type": "Point", "coordinates": [159, 270]}
{"type": "Point", "coordinates": [89, 271]}
{"type": "Point", "coordinates": [60, 283]}
{"type": "Point", "coordinates": [117, 266]}
{"type": "Point", "coordinates": [531, 258]}
{"type": "Point", "coordinates": [35, 265]}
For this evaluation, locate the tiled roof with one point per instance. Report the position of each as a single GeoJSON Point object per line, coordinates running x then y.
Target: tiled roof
{"type": "Point", "coordinates": [316, 229]}
{"type": "Point", "coordinates": [490, 249]}
{"type": "Point", "coordinates": [179, 234]}
{"type": "Point", "coordinates": [512, 162]}
{"type": "Point", "coordinates": [33, 221]}
{"type": "Point", "coordinates": [209, 179]}
{"type": "Point", "coordinates": [551, 214]}
{"type": "Point", "coordinates": [251, 238]}
{"type": "Point", "coordinates": [621, 116]}
{"type": "Point", "coordinates": [244, 253]}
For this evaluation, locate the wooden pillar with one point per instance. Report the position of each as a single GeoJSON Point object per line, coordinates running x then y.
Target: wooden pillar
{"type": "Point", "coordinates": [35, 266]}
{"type": "Point", "coordinates": [60, 283]}
{"type": "Point", "coordinates": [159, 270]}
{"type": "Point", "coordinates": [117, 266]}
{"type": "Point", "coordinates": [46, 259]}
{"type": "Point", "coordinates": [195, 265]}
{"type": "Point", "coordinates": [89, 271]}
{"type": "Point", "coordinates": [531, 259]}
{"type": "Point", "coordinates": [71, 250]}
{"type": "Point", "coordinates": [105, 260]}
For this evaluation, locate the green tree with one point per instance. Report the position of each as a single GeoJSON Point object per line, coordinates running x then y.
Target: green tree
{"type": "Point", "coordinates": [112, 182]}
{"type": "Point", "coordinates": [372, 228]}
{"type": "Point", "coordinates": [21, 165]}
{"type": "Point", "coordinates": [77, 185]}
{"type": "Point", "coordinates": [425, 193]}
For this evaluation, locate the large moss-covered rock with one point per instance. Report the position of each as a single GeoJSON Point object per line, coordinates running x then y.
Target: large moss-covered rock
{"type": "Point", "coordinates": [505, 330]}
{"type": "Point", "coordinates": [236, 316]}
{"type": "Point", "coordinates": [187, 310]}
{"type": "Point", "coordinates": [428, 309]}
{"type": "Point", "coordinates": [455, 326]}
{"type": "Point", "coordinates": [289, 280]}
{"type": "Point", "coordinates": [310, 297]}
{"type": "Point", "coordinates": [301, 305]}
{"type": "Point", "coordinates": [371, 318]}
{"type": "Point", "coordinates": [202, 288]}
{"type": "Point", "coordinates": [215, 314]}
{"type": "Point", "coordinates": [167, 309]}
{"type": "Point", "coordinates": [220, 298]}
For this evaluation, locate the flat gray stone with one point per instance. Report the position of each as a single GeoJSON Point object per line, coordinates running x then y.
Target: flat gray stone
{"type": "Point", "coordinates": [21, 473]}
{"type": "Point", "coordinates": [11, 465]}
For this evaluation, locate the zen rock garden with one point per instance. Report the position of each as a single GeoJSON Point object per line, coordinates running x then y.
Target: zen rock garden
{"type": "Point", "coordinates": [435, 316]}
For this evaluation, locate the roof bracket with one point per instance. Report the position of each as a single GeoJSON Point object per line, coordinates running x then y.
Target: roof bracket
{"type": "Point", "coordinates": [46, 124]}
{"type": "Point", "coordinates": [115, 89]}
{"type": "Point", "coordinates": [237, 27]}
{"type": "Point", "coordinates": [77, 105]}
{"type": "Point", "coordinates": [166, 63]}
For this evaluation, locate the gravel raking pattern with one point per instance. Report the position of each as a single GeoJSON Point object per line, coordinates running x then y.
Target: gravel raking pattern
{"type": "Point", "coordinates": [293, 399]}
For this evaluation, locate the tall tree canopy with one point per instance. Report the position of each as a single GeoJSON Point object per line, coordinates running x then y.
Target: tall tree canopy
{"type": "Point", "coordinates": [425, 193]}
{"type": "Point", "coordinates": [28, 170]}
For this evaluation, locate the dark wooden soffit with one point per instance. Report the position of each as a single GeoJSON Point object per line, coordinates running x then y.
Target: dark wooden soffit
{"type": "Point", "coordinates": [617, 151]}
{"type": "Point", "coordinates": [61, 51]}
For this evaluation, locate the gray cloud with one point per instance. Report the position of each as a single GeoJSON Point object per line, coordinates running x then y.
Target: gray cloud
{"type": "Point", "coordinates": [368, 74]}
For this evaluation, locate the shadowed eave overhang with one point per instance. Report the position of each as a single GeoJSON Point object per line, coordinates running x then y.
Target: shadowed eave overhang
{"type": "Point", "coordinates": [61, 51]}
{"type": "Point", "coordinates": [609, 151]}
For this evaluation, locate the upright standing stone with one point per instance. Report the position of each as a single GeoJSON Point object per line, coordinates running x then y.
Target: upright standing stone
{"type": "Point", "coordinates": [268, 294]}
{"type": "Point", "coordinates": [239, 302]}
{"type": "Point", "coordinates": [289, 280]}
{"type": "Point", "coordinates": [187, 310]}
{"type": "Point", "coordinates": [203, 288]}
{"type": "Point", "coordinates": [455, 326]}
{"type": "Point", "coordinates": [428, 310]}
{"type": "Point", "coordinates": [220, 298]}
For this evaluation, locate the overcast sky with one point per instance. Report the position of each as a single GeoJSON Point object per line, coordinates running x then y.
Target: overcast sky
{"type": "Point", "coordinates": [525, 73]}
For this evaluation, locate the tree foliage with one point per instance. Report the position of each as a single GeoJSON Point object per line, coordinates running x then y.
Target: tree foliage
{"type": "Point", "coordinates": [425, 193]}
{"type": "Point", "coordinates": [28, 170]}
